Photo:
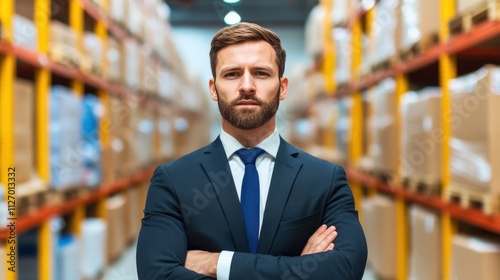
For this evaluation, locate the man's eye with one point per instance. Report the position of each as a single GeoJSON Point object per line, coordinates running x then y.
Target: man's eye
{"type": "Point", "coordinates": [231, 74]}
{"type": "Point", "coordinates": [261, 73]}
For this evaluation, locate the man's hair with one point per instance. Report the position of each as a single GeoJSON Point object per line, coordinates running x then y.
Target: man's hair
{"type": "Point", "coordinates": [242, 33]}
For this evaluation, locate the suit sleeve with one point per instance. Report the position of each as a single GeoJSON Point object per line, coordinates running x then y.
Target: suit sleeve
{"type": "Point", "coordinates": [162, 244]}
{"type": "Point", "coordinates": [346, 261]}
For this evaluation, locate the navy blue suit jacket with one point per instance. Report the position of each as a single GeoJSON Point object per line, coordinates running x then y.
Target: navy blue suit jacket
{"type": "Point", "coordinates": [192, 204]}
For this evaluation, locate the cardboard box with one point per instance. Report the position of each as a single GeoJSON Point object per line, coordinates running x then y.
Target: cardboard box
{"type": "Point", "coordinates": [24, 130]}
{"type": "Point", "coordinates": [420, 20]}
{"type": "Point", "coordinates": [116, 216]}
{"type": "Point", "coordinates": [421, 146]}
{"type": "Point", "coordinates": [379, 224]}
{"type": "Point", "coordinates": [134, 212]}
{"type": "Point", "coordinates": [475, 258]}
{"type": "Point", "coordinates": [63, 44]}
{"type": "Point", "coordinates": [131, 64]}
{"type": "Point", "coordinates": [463, 6]}
{"type": "Point", "coordinates": [118, 11]}
{"type": "Point", "coordinates": [425, 244]}
{"type": "Point", "coordinates": [475, 153]}
{"type": "Point", "coordinates": [93, 52]}
{"type": "Point", "coordinates": [114, 57]}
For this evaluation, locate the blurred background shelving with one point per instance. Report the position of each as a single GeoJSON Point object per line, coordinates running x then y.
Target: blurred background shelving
{"type": "Point", "coordinates": [402, 93]}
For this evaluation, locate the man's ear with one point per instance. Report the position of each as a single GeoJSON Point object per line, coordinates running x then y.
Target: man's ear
{"type": "Point", "coordinates": [283, 87]}
{"type": "Point", "coordinates": [213, 89]}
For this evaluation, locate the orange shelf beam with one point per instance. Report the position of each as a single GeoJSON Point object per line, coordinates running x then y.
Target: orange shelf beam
{"type": "Point", "coordinates": [470, 216]}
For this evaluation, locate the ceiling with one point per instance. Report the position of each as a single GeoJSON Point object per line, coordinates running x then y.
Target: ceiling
{"type": "Point", "coordinates": [264, 12]}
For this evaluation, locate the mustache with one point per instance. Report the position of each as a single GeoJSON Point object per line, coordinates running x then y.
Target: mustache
{"type": "Point", "coordinates": [247, 97]}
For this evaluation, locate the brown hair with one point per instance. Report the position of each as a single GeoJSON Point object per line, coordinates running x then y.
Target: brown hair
{"type": "Point", "coordinates": [246, 32]}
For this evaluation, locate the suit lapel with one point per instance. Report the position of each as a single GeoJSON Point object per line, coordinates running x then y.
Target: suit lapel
{"type": "Point", "coordinates": [215, 164]}
{"type": "Point", "coordinates": [286, 168]}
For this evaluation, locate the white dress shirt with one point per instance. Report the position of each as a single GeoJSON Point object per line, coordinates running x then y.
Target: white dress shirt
{"type": "Point", "coordinates": [265, 167]}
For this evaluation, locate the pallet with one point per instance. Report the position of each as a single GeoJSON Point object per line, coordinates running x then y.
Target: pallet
{"type": "Point", "coordinates": [31, 196]}
{"type": "Point", "coordinates": [421, 185]}
{"type": "Point", "coordinates": [383, 65]}
{"type": "Point", "coordinates": [489, 204]}
{"type": "Point", "coordinates": [486, 11]}
{"type": "Point", "coordinates": [68, 193]}
{"type": "Point", "coordinates": [420, 47]}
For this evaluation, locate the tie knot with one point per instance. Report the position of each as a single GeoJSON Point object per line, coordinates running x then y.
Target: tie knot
{"type": "Point", "coordinates": [248, 156]}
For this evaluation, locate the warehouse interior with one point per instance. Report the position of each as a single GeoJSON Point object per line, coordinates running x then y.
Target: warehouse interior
{"type": "Point", "coordinates": [95, 94]}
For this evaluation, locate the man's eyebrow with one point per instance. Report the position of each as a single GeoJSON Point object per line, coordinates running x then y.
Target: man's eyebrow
{"type": "Point", "coordinates": [230, 68]}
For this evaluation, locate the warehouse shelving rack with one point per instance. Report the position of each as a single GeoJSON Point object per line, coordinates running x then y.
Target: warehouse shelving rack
{"type": "Point", "coordinates": [443, 55]}
{"type": "Point", "coordinates": [44, 68]}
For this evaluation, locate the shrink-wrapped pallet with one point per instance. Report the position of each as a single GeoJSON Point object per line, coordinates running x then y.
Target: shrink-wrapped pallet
{"type": "Point", "coordinates": [475, 258]}
{"type": "Point", "coordinates": [63, 44]}
{"type": "Point", "coordinates": [118, 11]}
{"type": "Point", "coordinates": [314, 37]}
{"type": "Point", "coordinates": [425, 244]}
{"type": "Point", "coordinates": [91, 151]}
{"type": "Point", "coordinates": [384, 29]}
{"type": "Point", "coordinates": [420, 22]}
{"type": "Point", "coordinates": [383, 152]}
{"type": "Point", "coordinates": [93, 248]}
{"type": "Point", "coordinates": [114, 58]}
{"type": "Point", "coordinates": [25, 32]}
{"type": "Point", "coordinates": [475, 154]}
{"type": "Point", "coordinates": [343, 47]}
{"type": "Point", "coordinates": [65, 138]}
{"type": "Point", "coordinates": [93, 53]}
{"type": "Point", "coordinates": [131, 64]}
{"type": "Point", "coordinates": [420, 135]}
{"type": "Point", "coordinates": [379, 224]}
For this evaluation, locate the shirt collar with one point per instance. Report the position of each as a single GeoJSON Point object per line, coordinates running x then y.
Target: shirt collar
{"type": "Point", "coordinates": [270, 145]}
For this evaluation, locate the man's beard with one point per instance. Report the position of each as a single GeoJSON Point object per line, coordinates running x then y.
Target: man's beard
{"type": "Point", "coordinates": [248, 118]}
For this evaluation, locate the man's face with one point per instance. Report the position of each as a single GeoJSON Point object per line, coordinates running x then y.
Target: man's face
{"type": "Point", "coordinates": [247, 86]}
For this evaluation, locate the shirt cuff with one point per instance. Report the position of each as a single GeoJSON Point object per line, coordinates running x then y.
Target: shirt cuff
{"type": "Point", "coordinates": [224, 265]}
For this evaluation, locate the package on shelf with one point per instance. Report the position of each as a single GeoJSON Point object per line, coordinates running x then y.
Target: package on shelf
{"type": "Point", "coordinates": [25, 32]}
{"type": "Point", "coordinates": [120, 154]}
{"type": "Point", "coordinates": [24, 130]}
{"type": "Point", "coordinates": [135, 18]}
{"type": "Point", "coordinates": [168, 84]}
{"type": "Point", "coordinates": [131, 64]}
{"type": "Point", "coordinates": [343, 126]}
{"type": "Point", "coordinates": [343, 48]}
{"type": "Point", "coordinates": [475, 155]}
{"type": "Point", "coordinates": [463, 6]}
{"type": "Point", "coordinates": [149, 73]}
{"type": "Point", "coordinates": [63, 44]}
{"type": "Point", "coordinates": [420, 20]}
{"type": "Point", "coordinates": [114, 58]}
{"type": "Point", "coordinates": [117, 11]}
{"type": "Point", "coordinates": [67, 262]}
{"type": "Point", "coordinates": [65, 138]}
{"type": "Point", "coordinates": [314, 31]}
{"type": "Point", "coordinates": [3, 265]}
{"type": "Point", "coordinates": [342, 9]}
{"type": "Point", "coordinates": [93, 242]}
{"type": "Point", "coordinates": [91, 144]}
{"type": "Point", "coordinates": [143, 141]}
{"type": "Point", "coordinates": [379, 223]}
{"type": "Point", "coordinates": [475, 258]}
{"type": "Point", "coordinates": [384, 30]}
{"type": "Point", "coordinates": [116, 237]}
{"type": "Point", "coordinates": [103, 5]}
{"type": "Point", "coordinates": [383, 128]}
{"type": "Point", "coordinates": [420, 135]}
{"type": "Point", "coordinates": [165, 141]}
{"type": "Point", "coordinates": [425, 244]}
{"type": "Point", "coordinates": [133, 214]}
{"type": "Point", "coordinates": [93, 53]}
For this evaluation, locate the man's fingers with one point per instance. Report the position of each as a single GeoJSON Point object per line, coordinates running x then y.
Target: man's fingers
{"type": "Point", "coordinates": [321, 240]}
{"type": "Point", "coordinates": [315, 235]}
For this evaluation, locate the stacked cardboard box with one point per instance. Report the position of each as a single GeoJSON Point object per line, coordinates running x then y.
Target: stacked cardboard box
{"type": "Point", "coordinates": [421, 136]}
{"type": "Point", "coordinates": [379, 223]}
{"type": "Point", "coordinates": [134, 213]}
{"type": "Point", "coordinates": [475, 258]}
{"type": "Point", "coordinates": [425, 244]}
{"type": "Point", "coordinates": [420, 20]}
{"type": "Point", "coordinates": [117, 215]}
{"type": "Point", "coordinates": [63, 44]}
{"type": "Point", "coordinates": [93, 51]}
{"type": "Point", "coordinates": [465, 5]}
{"type": "Point", "coordinates": [114, 58]}
{"type": "Point", "coordinates": [384, 33]}
{"type": "Point", "coordinates": [475, 155]}
{"type": "Point", "coordinates": [24, 130]}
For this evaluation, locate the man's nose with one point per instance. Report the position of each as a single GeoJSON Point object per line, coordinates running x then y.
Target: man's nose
{"type": "Point", "coordinates": [247, 85]}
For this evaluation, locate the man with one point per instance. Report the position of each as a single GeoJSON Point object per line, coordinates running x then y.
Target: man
{"type": "Point", "coordinates": [217, 213]}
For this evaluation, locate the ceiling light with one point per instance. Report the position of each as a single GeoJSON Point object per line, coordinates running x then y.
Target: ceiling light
{"type": "Point", "coordinates": [231, 1]}
{"type": "Point", "coordinates": [232, 18]}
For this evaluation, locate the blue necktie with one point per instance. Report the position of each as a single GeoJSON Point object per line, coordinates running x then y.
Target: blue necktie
{"type": "Point", "coordinates": [250, 195]}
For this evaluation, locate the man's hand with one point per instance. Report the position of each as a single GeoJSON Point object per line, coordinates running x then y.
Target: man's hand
{"type": "Point", "coordinates": [202, 262]}
{"type": "Point", "coordinates": [320, 241]}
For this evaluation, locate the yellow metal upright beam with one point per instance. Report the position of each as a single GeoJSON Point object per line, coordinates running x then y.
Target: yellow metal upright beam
{"type": "Point", "coordinates": [42, 88]}
{"type": "Point", "coordinates": [329, 61]}
{"type": "Point", "coordinates": [104, 135]}
{"type": "Point", "coordinates": [356, 135]}
{"type": "Point", "coordinates": [447, 71]}
{"type": "Point", "coordinates": [402, 234]}
{"type": "Point", "coordinates": [76, 22]}
{"type": "Point", "coordinates": [7, 168]}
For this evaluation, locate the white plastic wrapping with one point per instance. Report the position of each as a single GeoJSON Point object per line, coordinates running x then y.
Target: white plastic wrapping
{"type": "Point", "coordinates": [343, 47]}
{"type": "Point", "coordinates": [343, 127]}
{"type": "Point", "coordinates": [475, 258]}
{"type": "Point", "coordinates": [419, 19]}
{"type": "Point", "coordinates": [92, 248]}
{"type": "Point", "coordinates": [117, 10]}
{"type": "Point", "coordinates": [67, 259]}
{"type": "Point", "coordinates": [383, 43]}
{"type": "Point", "coordinates": [114, 57]}
{"type": "Point", "coordinates": [25, 33]}
{"type": "Point", "coordinates": [93, 52]}
{"type": "Point", "coordinates": [474, 158]}
{"type": "Point", "coordinates": [314, 31]}
{"type": "Point", "coordinates": [421, 136]}
{"type": "Point", "coordinates": [131, 64]}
